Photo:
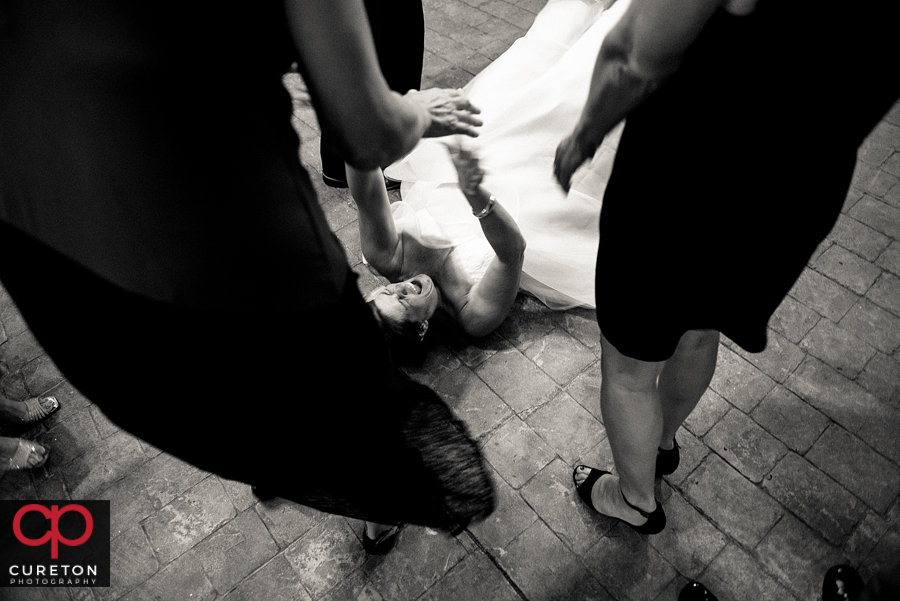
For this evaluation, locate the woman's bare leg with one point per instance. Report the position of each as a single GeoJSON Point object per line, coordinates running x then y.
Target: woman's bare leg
{"type": "Point", "coordinates": [685, 378]}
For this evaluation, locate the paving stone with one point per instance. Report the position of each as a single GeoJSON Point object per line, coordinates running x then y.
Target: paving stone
{"type": "Point", "coordinates": [792, 421]}
{"type": "Point", "coordinates": [287, 521]}
{"type": "Point", "coordinates": [20, 349]}
{"type": "Point", "coordinates": [859, 238]}
{"type": "Point", "coordinates": [516, 380]}
{"type": "Point", "coordinates": [566, 427]}
{"type": "Point", "coordinates": [41, 374]}
{"type": "Point", "coordinates": [826, 297]}
{"type": "Point", "coordinates": [17, 486]}
{"type": "Point", "coordinates": [235, 550]}
{"type": "Point", "coordinates": [628, 566]}
{"type": "Point", "coordinates": [107, 461]}
{"type": "Point", "coordinates": [129, 503]}
{"type": "Point", "coordinates": [105, 426]}
{"type": "Point", "coordinates": [276, 581]}
{"type": "Point", "coordinates": [890, 258]}
{"type": "Point", "coordinates": [420, 558]}
{"type": "Point", "coordinates": [815, 498]}
{"type": "Point", "coordinates": [582, 325]}
{"type": "Point", "coordinates": [475, 351]}
{"type": "Point", "coordinates": [585, 389]}
{"type": "Point", "coordinates": [552, 495]}
{"type": "Point", "coordinates": [793, 319]}
{"type": "Point", "coordinates": [833, 394]}
{"type": "Point", "coordinates": [736, 576]}
{"type": "Point", "coordinates": [52, 487]}
{"type": "Point", "coordinates": [745, 445]}
{"type": "Point", "coordinates": [857, 467]}
{"type": "Point", "coordinates": [560, 356]}
{"type": "Point", "coordinates": [739, 508]}
{"type": "Point", "coordinates": [516, 452]}
{"type": "Point", "coordinates": [778, 361]}
{"type": "Point", "coordinates": [883, 556]}
{"type": "Point", "coordinates": [542, 567]}
{"type": "Point", "coordinates": [439, 362]}
{"type": "Point", "coordinates": [865, 537]}
{"type": "Point", "coordinates": [188, 519]}
{"type": "Point", "coordinates": [73, 437]}
{"type": "Point", "coordinates": [132, 562]}
{"type": "Point", "coordinates": [838, 347]}
{"type": "Point", "coordinates": [325, 555]}
{"type": "Point", "coordinates": [528, 321]}
{"type": "Point", "coordinates": [877, 215]}
{"type": "Point", "coordinates": [738, 381]}
{"type": "Point", "coordinates": [847, 268]}
{"type": "Point", "coordinates": [473, 401]}
{"type": "Point", "coordinates": [879, 429]}
{"type": "Point", "coordinates": [798, 557]}
{"type": "Point", "coordinates": [511, 517]}
{"type": "Point", "coordinates": [886, 293]}
{"type": "Point", "coordinates": [240, 494]}
{"type": "Point", "coordinates": [873, 153]}
{"type": "Point", "coordinates": [182, 579]}
{"type": "Point", "coordinates": [475, 577]}
{"type": "Point", "coordinates": [689, 542]}
{"type": "Point", "coordinates": [707, 413]}
{"type": "Point", "coordinates": [874, 325]}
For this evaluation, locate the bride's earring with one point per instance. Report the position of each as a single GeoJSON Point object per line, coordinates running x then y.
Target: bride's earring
{"type": "Point", "coordinates": [423, 327]}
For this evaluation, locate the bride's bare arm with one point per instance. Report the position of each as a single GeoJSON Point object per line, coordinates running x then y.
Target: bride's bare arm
{"type": "Point", "coordinates": [489, 301]}
{"type": "Point", "coordinates": [381, 246]}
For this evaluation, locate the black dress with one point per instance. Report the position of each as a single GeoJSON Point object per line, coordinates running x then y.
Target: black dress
{"type": "Point", "coordinates": [736, 168]}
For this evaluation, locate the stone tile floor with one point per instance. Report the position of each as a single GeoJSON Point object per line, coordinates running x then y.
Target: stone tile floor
{"type": "Point", "coordinates": [790, 464]}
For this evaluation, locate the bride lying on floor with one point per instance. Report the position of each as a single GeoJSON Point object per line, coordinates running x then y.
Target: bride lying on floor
{"type": "Point", "coordinates": [431, 246]}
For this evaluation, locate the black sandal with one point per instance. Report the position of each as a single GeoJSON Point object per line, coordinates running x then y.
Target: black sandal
{"type": "Point", "coordinates": [656, 520]}
{"type": "Point", "coordinates": [694, 591]}
{"type": "Point", "coordinates": [841, 583]}
{"type": "Point", "coordinates": [667, 460]}
{"type": "Point", "coordinates": [382, 544]}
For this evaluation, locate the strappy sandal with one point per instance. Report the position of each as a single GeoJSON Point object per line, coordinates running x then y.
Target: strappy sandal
{"type": "Point", "coordinates": [19, 459]}
{"type": "Point", "coordinates": [656, 520]}
{"type": "Point", "coordinates": [383, 543]}
{"type": "Point", "coordinates": [667, 460]}
{"type": "Point", "coordinates": [37, 410]}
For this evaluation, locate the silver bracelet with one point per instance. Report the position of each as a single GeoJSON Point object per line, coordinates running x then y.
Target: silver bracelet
{"type": "Point", "coordinates": [488, 208]}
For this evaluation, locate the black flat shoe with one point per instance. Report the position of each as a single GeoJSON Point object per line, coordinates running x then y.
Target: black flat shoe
{"type": "Point", "coordinates": [382, 544]}
{"type": "Point", "coordinates": [694, 591]}
{"type": "Point", "coordinates": [667, 460]}
{"type": "Point", "coordinates": [841, 583]}
{"type": "Point", "coordinates": [656, 521]}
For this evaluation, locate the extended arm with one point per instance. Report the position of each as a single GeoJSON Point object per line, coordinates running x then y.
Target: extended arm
{"type": "Point", "coordinates": [489, 300]}
{"type": "Point", "coordinates": [371, 125]}
{"type": "Point", "coordinates": [640, 52]}
{"type": "Point", "coordinates": [380, 244]}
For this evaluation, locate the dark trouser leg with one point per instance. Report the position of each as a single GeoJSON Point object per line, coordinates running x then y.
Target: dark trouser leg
{"type": "Point", "coordinates": [398, 29]}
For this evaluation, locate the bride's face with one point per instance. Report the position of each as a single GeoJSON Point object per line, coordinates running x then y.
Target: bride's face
{"type": "Point", "coordinates": [409, 302]}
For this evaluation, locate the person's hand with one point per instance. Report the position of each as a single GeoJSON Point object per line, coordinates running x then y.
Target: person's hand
{"type": "Point", "coordinates": [467, 168]}
{"type": "Point", "coordinates": [569, 157]}
{"type": "Point", "coordinates": [451, 112]}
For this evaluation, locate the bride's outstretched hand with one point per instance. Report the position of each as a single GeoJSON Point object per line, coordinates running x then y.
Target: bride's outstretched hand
{"type": "Point", "coordinates": [468, 169]}
{"type": "Point", "coordinates": [569, 157]}
{"type": "Point", "coordinates": [450, 110]}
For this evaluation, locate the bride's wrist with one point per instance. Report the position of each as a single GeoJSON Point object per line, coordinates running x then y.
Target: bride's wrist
{"type": "Point", "coordinates": [478, 198]}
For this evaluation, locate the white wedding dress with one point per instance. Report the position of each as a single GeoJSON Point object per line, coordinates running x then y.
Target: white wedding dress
{"type": "Point", "coordinates": [530, 98]}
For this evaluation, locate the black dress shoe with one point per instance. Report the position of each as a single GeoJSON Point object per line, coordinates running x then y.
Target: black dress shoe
{"type": "Point", "coordinates": [333, 182]}
{"type": "Point", "coordinates": [694, 591]}
{"type": "Point", "coordinates": [382, 544]}
{"type": "Point", "coordinates": [262, 493]}
{"type": "Point", "coordinates": [841, 583]}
